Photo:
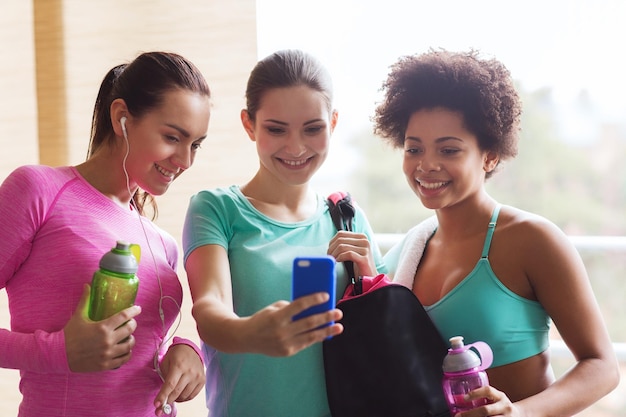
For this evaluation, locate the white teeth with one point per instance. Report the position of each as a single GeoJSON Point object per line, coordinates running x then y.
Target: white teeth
{"type": "Point", "coordinates": [294, 163]}
{"type": "Point", "coordinates": [431, 185]}
{"type": "Point", "coordinates": [164, 172]}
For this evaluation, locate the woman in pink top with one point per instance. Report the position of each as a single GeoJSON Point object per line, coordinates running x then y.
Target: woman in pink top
{"type": "Point", "coordinates": [150, 117]}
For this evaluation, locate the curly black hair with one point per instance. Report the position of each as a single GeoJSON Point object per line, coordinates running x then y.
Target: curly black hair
{"type": "Point", "coordinates": [482, 90]}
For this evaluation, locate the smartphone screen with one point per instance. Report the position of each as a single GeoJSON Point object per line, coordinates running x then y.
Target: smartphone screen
{"type": "Point", "coordinates": [311, 275]}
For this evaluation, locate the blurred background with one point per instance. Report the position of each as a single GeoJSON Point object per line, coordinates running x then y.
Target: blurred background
{"type": "Point", "coordinates": [564, 56]}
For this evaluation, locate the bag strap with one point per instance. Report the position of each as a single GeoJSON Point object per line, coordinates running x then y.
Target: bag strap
{"type": "Point", "coordinates": [342, 212]}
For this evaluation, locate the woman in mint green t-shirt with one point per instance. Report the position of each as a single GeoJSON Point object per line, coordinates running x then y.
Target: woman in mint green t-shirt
{"type": "Point", "coordinates": [240, 243]}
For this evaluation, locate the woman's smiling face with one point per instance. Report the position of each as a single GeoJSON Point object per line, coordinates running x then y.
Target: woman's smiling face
{"type": "Point", "coordinates": [442, 161]}
{"type": "Point", "coordinates": [292, 131]}
{"type": "Point", "coordinates": [164, 141]}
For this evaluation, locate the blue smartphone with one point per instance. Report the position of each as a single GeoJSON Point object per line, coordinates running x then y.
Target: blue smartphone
{"type": "Point", "coordinates": [311, 275]}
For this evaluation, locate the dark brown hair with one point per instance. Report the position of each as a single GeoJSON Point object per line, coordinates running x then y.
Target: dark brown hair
{"type": "Point", "coordinates": [287, 68]}
{"type": "Point", "coordinates": [482, 90]}
{"type": "Point", "coordinates": [142, 84]}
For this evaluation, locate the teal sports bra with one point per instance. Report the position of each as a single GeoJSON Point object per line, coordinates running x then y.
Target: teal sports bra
{"type": "Point", "coordinates": [481, 308]}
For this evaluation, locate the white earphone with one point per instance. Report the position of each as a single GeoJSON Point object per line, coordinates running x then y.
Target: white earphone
{"type": "Point", "coordinates": [167, 408]}
{"type": "Point", "coordinates": [123, 123]}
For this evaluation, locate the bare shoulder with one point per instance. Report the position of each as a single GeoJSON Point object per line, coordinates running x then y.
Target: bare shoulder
{"type": "Point", "coordinates": [533, 242]}
{"type": "Point", "coordinates": [528, 229]}
{"type": "Point", "coordinates": [538, 247]}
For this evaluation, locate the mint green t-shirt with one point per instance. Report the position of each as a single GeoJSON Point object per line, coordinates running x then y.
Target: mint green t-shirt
{"type": "Point", "coordinates": [261, 252]}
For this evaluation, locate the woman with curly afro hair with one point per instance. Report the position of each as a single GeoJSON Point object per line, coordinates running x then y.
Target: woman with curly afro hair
{"type": "Point", "coordinates": [486, 271]}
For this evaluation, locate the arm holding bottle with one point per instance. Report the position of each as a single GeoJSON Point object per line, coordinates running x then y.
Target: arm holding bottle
{"type": "Point", "coordinates": [557, 279]}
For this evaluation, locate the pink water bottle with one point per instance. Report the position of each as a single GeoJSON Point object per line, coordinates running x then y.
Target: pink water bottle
{"type": "Point", "coordinates": [464, 371]}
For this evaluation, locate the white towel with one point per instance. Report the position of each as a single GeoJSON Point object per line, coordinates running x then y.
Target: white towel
{"type": "Point", "coordinates": [412, 250]}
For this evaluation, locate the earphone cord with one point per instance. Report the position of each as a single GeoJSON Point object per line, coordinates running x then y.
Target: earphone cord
{"type": "Point", "coordinates": [166, 338]}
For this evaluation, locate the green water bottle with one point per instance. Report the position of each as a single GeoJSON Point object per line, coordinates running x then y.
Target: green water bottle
{"type": "Point", "coordinates": [114, 286]}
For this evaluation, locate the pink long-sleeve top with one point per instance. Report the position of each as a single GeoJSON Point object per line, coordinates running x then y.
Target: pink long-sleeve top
{"type": "Point", "coordinates": [55, 227]}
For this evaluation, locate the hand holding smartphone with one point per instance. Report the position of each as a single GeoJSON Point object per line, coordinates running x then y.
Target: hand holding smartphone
{"type": "Point", "coordinates": [311, 275]}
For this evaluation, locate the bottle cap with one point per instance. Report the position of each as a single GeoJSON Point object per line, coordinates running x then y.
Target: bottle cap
{"type": "Point", "coordinates": [460, 357]}
{"type": "Point", "coordinates": [120, 259]}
